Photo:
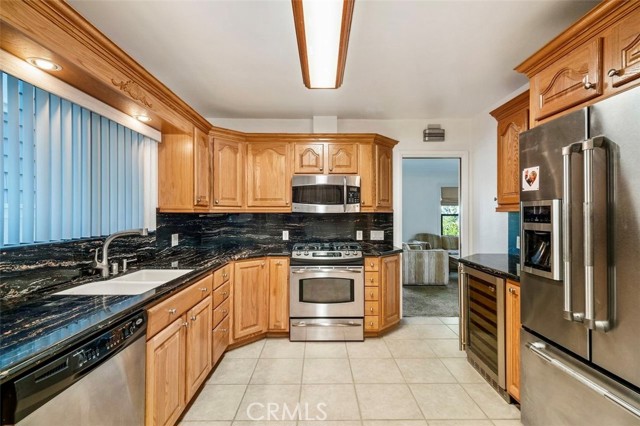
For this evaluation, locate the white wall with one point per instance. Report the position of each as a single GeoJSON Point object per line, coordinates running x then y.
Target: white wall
{"type": "Point", "coordinates": [486, 231]}
{"type": "Point", "coordinates": [421, 182]}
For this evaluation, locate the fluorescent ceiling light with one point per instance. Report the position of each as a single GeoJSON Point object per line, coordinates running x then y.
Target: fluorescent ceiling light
{"type": "Point", "coordinates": [44, 64]}
{"type": "Point", "coordinates": [322, 30]}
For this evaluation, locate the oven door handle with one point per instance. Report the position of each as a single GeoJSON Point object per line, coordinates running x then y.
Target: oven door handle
{"type": "Point", "coordinates": [325, 324]}
{"type": "Point", "coordinates": [337, 271]}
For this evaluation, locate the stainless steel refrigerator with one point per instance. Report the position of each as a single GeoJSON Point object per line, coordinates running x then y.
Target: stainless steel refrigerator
{"type": "Point", "coordinates": [580, 263]}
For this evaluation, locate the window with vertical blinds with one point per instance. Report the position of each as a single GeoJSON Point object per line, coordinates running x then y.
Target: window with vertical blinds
{"type": "Point", "coordinates": [68, 172]}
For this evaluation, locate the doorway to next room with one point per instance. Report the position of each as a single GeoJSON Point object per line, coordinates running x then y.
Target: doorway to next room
{"type": "Point", "coordinates": [430, 236]}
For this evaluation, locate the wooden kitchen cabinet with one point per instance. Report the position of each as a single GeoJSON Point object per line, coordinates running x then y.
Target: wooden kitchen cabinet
{"type": "Point", "coordinates": [622, 53]}
{"type": "Point", "coordinates": [512, 318]}
{"type": "Point", "coordinates": [513, 119]}
{"type": "Point", "coordinates": [384, 178]}
{"type": "Point", "coordinates": [367, 177]}
{"type": "Point", "coordinates": [179, 344]}
{"type": "Point", "coordinates": [250, 298]}
{"type": "Point", "coordinates": [222, 284]}
{"type": "Point", "coordinates": [382, 293]}
{"type": "Point", "coordinates": [342, 158]}
{"type": "Point", "coordinates": [201, 169]}
{"type": "Point", "coordinates": [268, 175]}
{"type": "Point", "coordinates": [308, 158]}
{"type": "Point", "coordinates": [278, 294]}
{"type": "Point", "coordinates": [228, 172]}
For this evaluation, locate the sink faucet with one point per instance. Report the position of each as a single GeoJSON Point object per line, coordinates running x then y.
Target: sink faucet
{"type": "Point", "coordinates": [103, 265]}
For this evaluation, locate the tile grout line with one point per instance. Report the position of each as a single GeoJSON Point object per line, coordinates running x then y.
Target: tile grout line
{"type": "Point", "coordinates": [406, 383]}
{"type": "Point", "coordinates": [248, 383]}
{"type": "Point", "coordinates": [353, 379]}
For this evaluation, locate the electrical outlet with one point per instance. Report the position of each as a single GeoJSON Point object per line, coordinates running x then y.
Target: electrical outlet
{"type": "Point", "coordinates": [518, 241]}
{"type": "Point", "coordinates": [174, 240]}
{"type": "Point", "coordinates": [358, 235]}
{"type": "Point", "coordinates": [174, 264]}
{"type": "Point", "coordinates": [377, 235]}
{"type": "Point", "coordinates": [285, 235]}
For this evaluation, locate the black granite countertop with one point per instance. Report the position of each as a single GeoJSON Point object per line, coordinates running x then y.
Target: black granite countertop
{"type": "Point", "coordinates": [34, 329]}
{"type": "Point", "coordinates": [382, 251]}
{"type": "Point", "coordinates": [500, 264]}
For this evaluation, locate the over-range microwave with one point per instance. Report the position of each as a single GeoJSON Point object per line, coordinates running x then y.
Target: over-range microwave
{"type": "Point", "coordinates": [325, 193]}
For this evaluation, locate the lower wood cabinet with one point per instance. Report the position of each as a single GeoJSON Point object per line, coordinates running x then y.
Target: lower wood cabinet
{"type": "Point", "coordinates": [221, 337]}
{"type": "Point", "coordinates": [278, 294]}
{"type": "Point", "coordinates": [178, 354]}
{"type": "Point", "coordinates": [250, 298]}
{"type": "Point", "coordinates": [512, 308]}
{"type": "Point", "coordinates": [381, 292]}
{"type": "Point", "coordinates": [222, 279]}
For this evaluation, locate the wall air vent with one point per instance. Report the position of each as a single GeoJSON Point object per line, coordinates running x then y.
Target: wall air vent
{"type": "Point", "coordinates": [433, 133]}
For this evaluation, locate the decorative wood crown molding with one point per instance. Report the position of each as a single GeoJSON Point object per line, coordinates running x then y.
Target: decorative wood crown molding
{"type": "Point", "coordinates": [514, 105]}
{"type": "Point", "coordinates": [133, 90]}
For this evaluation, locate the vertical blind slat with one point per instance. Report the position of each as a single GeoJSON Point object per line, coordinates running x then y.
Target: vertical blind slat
{"type": "Point", "coordinates": [67, 170]}
{"type": "Point", "coordinates": [43, 142]}
{"type": "Point", "coordinates": [28, 181]}
{"type": "Point", "coordinates": [13, 157]}
{"type": "Point", "coordinates": [55, 156]}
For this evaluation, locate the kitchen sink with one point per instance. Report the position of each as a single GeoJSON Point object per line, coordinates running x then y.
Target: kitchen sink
{"type": "Point", "coordinates": [135, 283]}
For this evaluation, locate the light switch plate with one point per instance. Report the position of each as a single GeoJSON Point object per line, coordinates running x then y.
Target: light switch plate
{"type": "Point", "coordinates": [377, 235]}
{"type": "Point", "coordinates": [174, 264]}
{"type": "Point", "coordinates": [285, 235]}
{"type": "Point", "coordinates": [358, 235]}
{"type": "Point", "coordinates": [174, 240]}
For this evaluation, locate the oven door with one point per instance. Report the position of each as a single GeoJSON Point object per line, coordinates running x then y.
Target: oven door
{"type": "Point", "coordinates": [327, 291]}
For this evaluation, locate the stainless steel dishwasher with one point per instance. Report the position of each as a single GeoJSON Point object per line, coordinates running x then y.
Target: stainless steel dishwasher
{"type": "Point", "coordinates": [98, 383]}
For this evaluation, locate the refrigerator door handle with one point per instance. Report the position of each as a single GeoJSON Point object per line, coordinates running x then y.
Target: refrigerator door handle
{"type": "Point", "coordinates": [539, 349]}
{"type": "Point", "coordinates": [590, 316]}
{"type": "Point", "coordinates": [568, 313]}
{"type": "Point", "coordinates": [462, 300]}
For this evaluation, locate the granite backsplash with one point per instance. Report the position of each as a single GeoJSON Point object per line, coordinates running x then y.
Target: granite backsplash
{"type": "Point", "coordinates": [41, 268]}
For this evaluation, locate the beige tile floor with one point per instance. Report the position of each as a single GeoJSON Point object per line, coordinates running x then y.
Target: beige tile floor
{"type": "Point", "coordinates": [413, 376]}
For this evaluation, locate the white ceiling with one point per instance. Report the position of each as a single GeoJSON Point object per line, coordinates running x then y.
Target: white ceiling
{"type": "Point", "coordinates": [406, 59]}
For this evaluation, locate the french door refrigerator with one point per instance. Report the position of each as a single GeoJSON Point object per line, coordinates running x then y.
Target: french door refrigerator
{"type": "Point", "coordinates": [580, 266]}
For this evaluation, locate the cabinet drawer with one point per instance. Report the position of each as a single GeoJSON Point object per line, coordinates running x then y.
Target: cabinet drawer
{"type": "Point", "coordinates": [371, 293]}
{"type": "Point", "coordinates": [220, 339]}
{"type": "Point", "coordinates": [371, 308]}
{"type": "Point", "coordinates": [371, 323]}
{"type": "Point", "coordinates": [371, 279]}
{"type": "Point", "coordinates": [165, 312]}
{"type": "Point", "coordinates": [221, 294]}
{"type": "Point", "coordinates": [221, 276]}
{"type": "Point", "coordinates": [371, 264]}
{"type": "Point", "coordinates": [221, 312]}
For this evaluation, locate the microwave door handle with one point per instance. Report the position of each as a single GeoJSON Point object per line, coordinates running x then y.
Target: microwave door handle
{"type": "Point", "coordinates": [567, 189]}
{"type": "Point", "coordinates": [590, 316]}
{"type": "Point", "coordinates": [344, 189]}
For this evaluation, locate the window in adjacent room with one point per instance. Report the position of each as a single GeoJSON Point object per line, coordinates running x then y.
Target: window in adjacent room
{"type": "Point", "coordinates": [449, 211]}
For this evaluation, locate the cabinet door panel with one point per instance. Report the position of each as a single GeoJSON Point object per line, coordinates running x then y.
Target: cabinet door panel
{"type": "Point", "coordinates": [509, 131]}
{"type": "Point", "coordinates": [228, 173]}
{"type": "Point", "coordinates": [513, 339]}
{"type": "Point", "coordinates": [390, 293]}
{"type": "Point", "coordinates": [250, 298]}
{"type": "Point", "coordinates": [220, 339]}
{"type": "Point", "coordinates": [201, 169]}
{"type": "Point", "coordinates": [199, 345]}
{"type": "Point", "coordinates": [367, 177]}
{"type": "Point", "coordinates": [268, 175]}
{"type": "Point", "coordinates": [623, 52]}
{"type": "Point", "coordinates": [278, 294]}
{"type": "Point", "coordinates": [165, 377]}
{"type": "Point", "coordinates": [308, 158]}
{"type": "Point", "coordinates": [384, 173]}
{"type": "Point", "coordinates": [343, 158]}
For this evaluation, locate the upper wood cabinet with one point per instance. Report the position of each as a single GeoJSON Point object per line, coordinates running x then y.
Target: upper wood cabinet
{"type": "Point", "coordinates": [513, 118]}
{"type": "Point", "coordinates": [228, 172]}
{"type": "Point", "coordinates": [201, 168]}
{"type": "Point", "coordinates": [342, 158]}
{"type": "Point", "coordinates": [572, 80]}
{"type": "Point", "coordinates": [278, 294]}
{"type": "Point", "coordinates": [268, 174]}
{"type": "Point", "coordinates": [250, 298]}
{"type": "Point", "coordinates": [622, 48]}
{"type": "Point", "coordinates": [596, 57]}
{"type": "Point", "coordinates": [308, 158]}
{"type": "Point", "coordinates": [512, 307]}
{"type": "Point", "coordinates": [367, 177]}
{"type": "Point", "coordinates": [384, 178]}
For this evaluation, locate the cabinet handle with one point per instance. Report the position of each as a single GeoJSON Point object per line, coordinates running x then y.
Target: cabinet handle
{"type": "Point", "coordinates": [321, 168]}
{"type": "Point", "coordinates": [185, 324]}
{"type": "Point", "coordinates": [510, 290]}
{"type": "Point", "coordinates": [371, 264]}
{"type": "Point", "coordinates": [587, 84]}
{"type": "Point", "coordinates": [199, 198]}
{"type": "Point", "coordinates": [224, 275]}
{"type": "Point", "coordinates": [371, 279]}
{"type": "Point", "coordinates": [286, 203]}
{"type": "Point", "coordinates": [371, 294]}
{"type": "Point", "coordinates": [204, 289]}
{"type": "Point", "coordinates": [613, 72]}
{"type": "Point", "coordinates": [371, 309]}
{"type": "Point", "coordinates": [171, 311]}
{"type": "Point", "coordinates": [370, 323]}
{"type": "Point", "coordinates": [217, 201]}
{"type": "Point", "coordinates": [193, 318]}
{"type": "Point", "coordinates": [262, 264]}
{"type": "Point", "coordinates": [330, 169]}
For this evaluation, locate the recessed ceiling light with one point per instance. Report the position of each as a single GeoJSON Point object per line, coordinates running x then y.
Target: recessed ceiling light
{"type": "Point", "coordinates": [44, 64]}
{"type": "Point", "coordinates": [322, 30]}
{"type": "Point", "coordinates": [143, 118]}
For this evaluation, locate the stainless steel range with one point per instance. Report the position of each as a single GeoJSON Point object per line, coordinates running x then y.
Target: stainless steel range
{"type": "Point", "coordinates": [327, 292]}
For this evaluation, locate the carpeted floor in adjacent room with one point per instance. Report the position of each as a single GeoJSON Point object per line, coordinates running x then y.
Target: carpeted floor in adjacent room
{"type": "Point", "coordinates": [432, 300]}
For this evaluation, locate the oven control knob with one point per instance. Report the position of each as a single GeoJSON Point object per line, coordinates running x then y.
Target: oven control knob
{"type": "Point", "coordinates": [306, 253]}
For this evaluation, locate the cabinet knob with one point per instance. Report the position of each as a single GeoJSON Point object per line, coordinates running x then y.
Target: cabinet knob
{"type": "Point", "coordinates": [371, 309]}
{"type": "Point", "coordinates": [193, 318]}
{"type": "Point", "coordinates": [224, 275]}
{"type": "Point", "coordinates": [279, 263]}
{"type": "Point", "coordinates": [171, 311]}
{"type": "Point", "coordinates": [217, 201]}
{"type": "Point", "coordinates": [330, 169]}
{"type": "Point", "coordinates": [613, 72]}
{"type": "Point", "coordinates": [371, 264]}
{"type": "Point", "coordinates": [587, 85]}
{"type": "Point", "coordinates": [204, 289]}
{"type": "Point", "coordinates": [495, 198]}
{"type": "Point", "coordinates": [224, 311]}
{"type": "Point", "coordinates": [224, 330]}
{"type": "Point", "coordinates": [199, 198]}
{"type": "Point", "coordinates": [185, 324]}
{"type": "Point", "coordinates": [371, 279]}
{"type": "Point", "coordinates": [321, 168]}
{"type": "Point", "coordinates": [371, 294]}
{"type": "Point", "coordinates": [262, 264]}
{"type": "Point", "coordinates": [370, 323]}
{"type": "Point", "coordinates": [224, 294]}
{"type": "Point", "coordinates": [286, 203]}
